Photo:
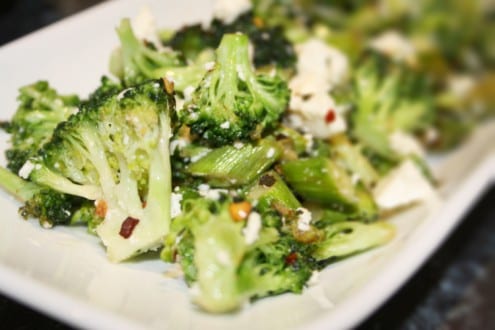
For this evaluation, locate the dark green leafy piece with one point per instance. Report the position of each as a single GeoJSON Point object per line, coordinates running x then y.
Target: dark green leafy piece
{"type": "Point", "coordinates": [40, 110]}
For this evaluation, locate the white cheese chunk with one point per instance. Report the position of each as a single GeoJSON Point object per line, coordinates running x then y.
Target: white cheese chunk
{"type": "Point", "coordinates": [395, 45]}
{"type": "Point", "coordinates": [303, 219]}
{"type": "Point", "coordinates": [144, 27]}
{"type": "Point", "coordinates": [175, 208]}
{"type": "Point", "coordinates": [26, 169]}
{"type": "Point", "coordinates": [461, 85]}
{"type": "Point", "coordinates": [228, 10]}
{"type": "Point", "coordinates": [405, 144]}
{"type": "Point", "coordinates": [322, 61]}
{"type": "Point", "coordinates": [309, 114]}
{"type": "Point", "coordinates": [253, 226]}
{"type": "Point", "coordinates": [402, 186]}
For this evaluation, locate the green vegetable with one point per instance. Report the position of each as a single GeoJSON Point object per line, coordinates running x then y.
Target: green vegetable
{"type": "Point", "coordinates": [343, 239]}
{"type": "Point", "coordinates": [271, 47]}
{"type": "Point", "coordinates": [136, 60]}
{"type": "Point", "coordinates": [233, 102]}
{"type": "Point", "coordinates": [40, 110]}
{"type": "Point", "coordinates": [320, 180]}
{"type": "Point", "coordinates": [274, 268]}
{"type": "Point", "coordinates": [49, 206]}
{"type": "Point", "coordinates": [222, 268]}
{"type": "Point", "coordinates": [269, 189]}
{"type": "Point", "coordinates": [229, 166]}
{"type": "Point", "coordinates": [394, 100]}
{"type": "Point", "coordinates": [353, 160]}
{"type": "Point", "coordinates": [117, 152]}
{"type": "Point", "coordinates": [108, 87]}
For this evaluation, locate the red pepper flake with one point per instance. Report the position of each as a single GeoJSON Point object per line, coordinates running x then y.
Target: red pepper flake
{"type": "Point", "coordinates": [330, 116]}
{"type": "Point", "coordinates": [101, 208]}
{"type": "Point", "coordinates": [291, 258]}
{"type": "Point", "coordinates": [128, 227]}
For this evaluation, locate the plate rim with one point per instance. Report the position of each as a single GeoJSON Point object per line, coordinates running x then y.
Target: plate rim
{"type": "Point", "coordinates": [20, 287]}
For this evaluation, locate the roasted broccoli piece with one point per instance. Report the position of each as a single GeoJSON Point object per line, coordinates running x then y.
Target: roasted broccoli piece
{"type": "Point", "coordinates": [271, 47]}
{"type": "Point", "coordinates": [117, 154]}
{"type": "Point", "coordinates": [192, 39]}
{"type": "Point", "coordinates": [226, 269]}
{"type": "Point", "coordinates": [138, 60]}
{"type": "Point", "coordinates": [49, 206]}
{"type": "Point", "coordinates": [233, 102]}
{"type": "Point", "coordinates": [388, 99]}
{"type": "Point", "coordinates": [353, 159]}
{"type": "Point", "coordinates": [276, 267]}
{"type": "Point", "coordinates": [346, 238]}
{"type": "Point", "coordinates": [323, 181]}
{"type": "Point", "coordinates": [40, 110]}
{"type": "Point", "coordinates": [107, 88]}
{"type": "Point", "coordinates": [229, 166]}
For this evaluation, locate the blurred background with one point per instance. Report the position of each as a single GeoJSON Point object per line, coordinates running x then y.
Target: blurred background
{"type": "Point", "coordinates": [18, 17]}
{"type": "Point", "coordinates": [453, 290]}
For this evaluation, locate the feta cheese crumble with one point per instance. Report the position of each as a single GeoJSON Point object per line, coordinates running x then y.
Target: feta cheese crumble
{"type": "Point", "coordinates": [404, 185]}
{"type": "Point", "coordinates": [322, 61]}
{"type": "Point", "coordinates": [303, 219]}
{"type": "Point", "coordinates": [144, 27]}
{"type": "Point", "coordinates": [188, 92]}
{"type": "Point", "coordinates": [405, 144]}
{"type": "Point", "coordinates": [175, 208]}
{"type": "Point", "coordinates": [253, 226]}
{"type": "Point", "coordinates": [206, 191]}
{"type": "Point", "coordinates": [319, 69]}
{"type": "Point", "coordinates": [308, 114]}
{"type": "Point", "coordinates": [395, 45]}
{"type": "Point", "coordinates": [26, 169]}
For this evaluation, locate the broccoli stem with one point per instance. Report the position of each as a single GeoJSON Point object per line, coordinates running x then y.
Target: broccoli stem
{"type": "Point", "coordinates": [343, 239]}
{"type": "Point", "coordinates": [354, 160]}
{"type": "Point", "coordinates": [16, 186]}
{"type": "Point", "coordinates": [160, 179]}
{"type": "Point", "coordinates": [320, 180]}
{"type": "Point", "coordinates": [45, 176]}
{"type": "Point", "coordinates": [271, 188]}
{"type": "Point", "coordinates": [229, 166]}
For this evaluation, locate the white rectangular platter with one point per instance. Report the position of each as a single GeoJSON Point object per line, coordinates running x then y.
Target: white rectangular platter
{"type": "Point", "coordinates": [64, 272]}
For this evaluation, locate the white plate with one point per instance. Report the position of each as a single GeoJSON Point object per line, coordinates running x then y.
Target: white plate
{"type": "Point", "coordinates": [63, 272]}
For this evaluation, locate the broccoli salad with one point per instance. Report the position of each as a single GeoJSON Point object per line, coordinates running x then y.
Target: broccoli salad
{"type": "Point", "coordinates": [258, 148]}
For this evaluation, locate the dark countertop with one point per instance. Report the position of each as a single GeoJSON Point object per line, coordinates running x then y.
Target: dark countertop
{"type": "Point", "coordinates": [453, 290]}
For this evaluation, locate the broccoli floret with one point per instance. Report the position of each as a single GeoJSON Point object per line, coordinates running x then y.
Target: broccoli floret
{"type": "Point", "coordinates": [49, 206]}
{"type": "Point", "coordinates": [223, 267]}
{"type": "Point", "coordinates": [353, 159]}
{"type": "Point", "coordinates": [192, 39]}
{"type": "Point", "coordinates": [117, 154]}
{"type": "Point", "coordinates": [233, 102]}
{"type": "Point", "coordinates": [346, 238]}
{"type": "Point", "coordinates": [394, 100]}
{"type": "Point", "coordinates": [40, 110]}
{"type": "Point", "coordinates": [275, 267]}
{"type": "Point", "coordinates": [271, 47]}
{"type": "Point", "coordinates": [137, 60]}
{"type": "Point", "coordinates": [107, 88]}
